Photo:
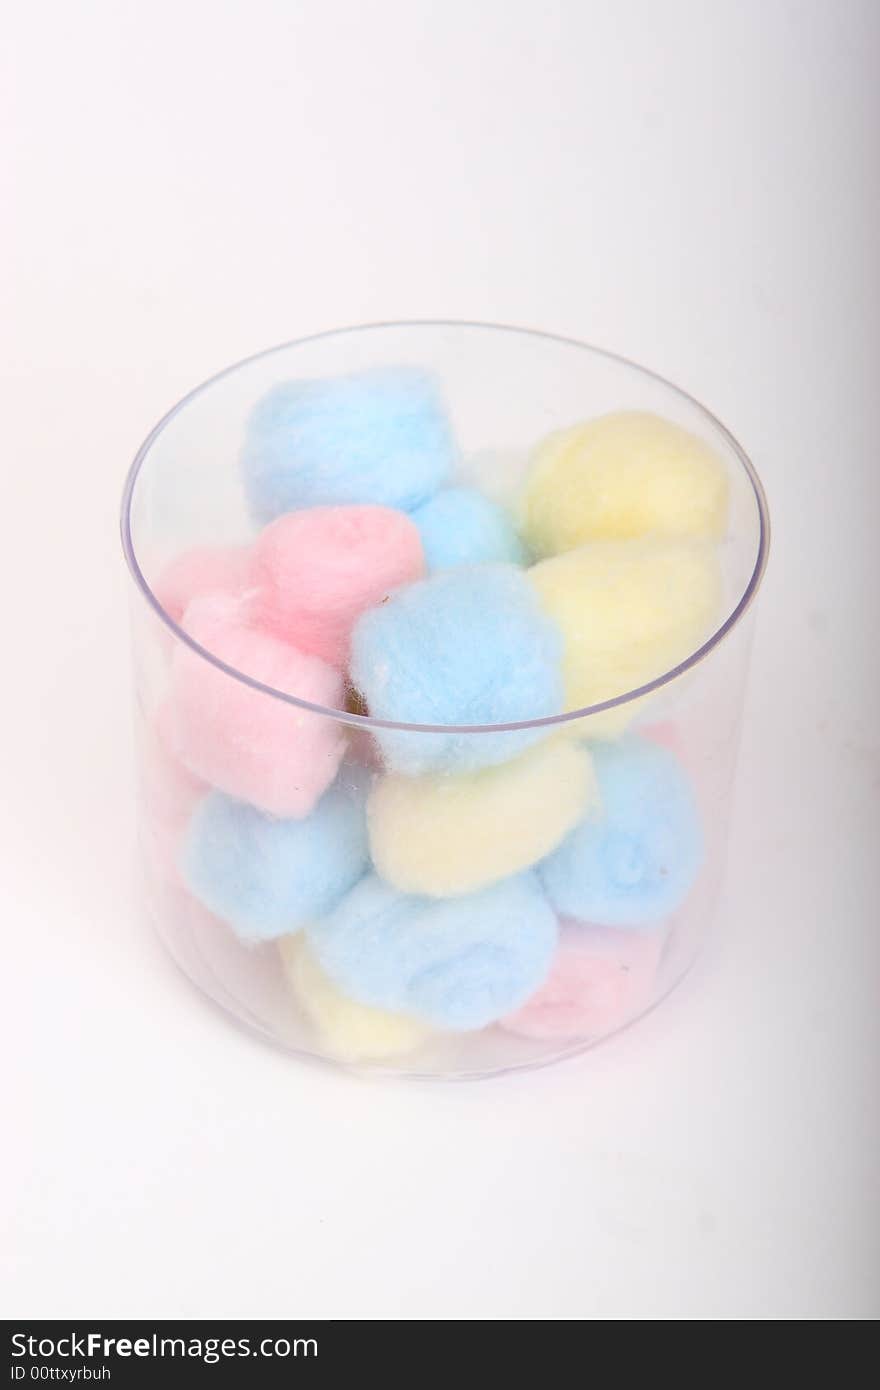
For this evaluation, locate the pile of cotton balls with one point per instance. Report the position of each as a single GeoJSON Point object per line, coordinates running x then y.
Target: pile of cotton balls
{"type": "Point", "coordinates": [458, 875]}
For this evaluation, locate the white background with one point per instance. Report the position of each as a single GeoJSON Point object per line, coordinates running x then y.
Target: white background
{"type": "Point", "coordinates": [696, 185]}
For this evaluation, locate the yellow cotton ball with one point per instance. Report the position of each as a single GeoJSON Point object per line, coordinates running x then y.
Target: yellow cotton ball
{"type": "Point", "coordinates": [447, 835]}
{"type": "Point", "coordinates": [629, 611]}
{"type": "Point", "coordinates": [620, 476]}
{"type": "Point", "coordinates": [350, 1032]}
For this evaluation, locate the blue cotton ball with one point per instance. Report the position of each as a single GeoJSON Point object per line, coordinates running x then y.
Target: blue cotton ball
{"type": "Point", "coordinates": [634, 858]}
{"type": "Point", "coordinates": [466, 646]}
{"type": "Point", "coordinates": [457, 963]}
{"type": "Point", "coordinates": [459, 526]}
{"type": "Point", "coordinates": [379, 436]}
{"type": "Point", "coordinates": [264, 876]}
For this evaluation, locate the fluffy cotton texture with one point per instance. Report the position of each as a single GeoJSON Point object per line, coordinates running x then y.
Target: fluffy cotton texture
{"type": "Point", "coordinates": [634, 858]}
{"type": "Point", "coordinates": [317, 570]}
{"type": "Point", "coordinates": [266, 877]}
{"type": "Point", "coordinates": [467, 646]}
{"type": "Point", "coordinates": [601, 978]}
{"type": "Point", "coordinates": [629, 611]}
{"type": "Point", "coordinates": [456, 963]}
{"type": "Point", "coordinates": [459, 526]}
{"type": "Point", "coordinates": [447, 835]}
{"type": "Point", "coordinates": [347, 1031]}
{"type": "Point", "coordinates": [621, 476]}
{"type": "Point", "coordinates": [379, 436]}
{"type": "Point", "coordinates": [204, 570]}
{"type": "Point", "coordinates": [242, 741]}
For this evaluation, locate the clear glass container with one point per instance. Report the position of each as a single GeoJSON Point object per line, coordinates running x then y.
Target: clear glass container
{"type": "Point", "coordinates": [426, 930]}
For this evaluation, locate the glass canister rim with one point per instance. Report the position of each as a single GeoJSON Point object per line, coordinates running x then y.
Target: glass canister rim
{"type": "Point", "coordinates": [694, 658]}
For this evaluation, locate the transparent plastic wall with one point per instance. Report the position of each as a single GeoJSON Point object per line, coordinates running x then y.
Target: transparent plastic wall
{"type": "Point", "coordinates": [505, 390]}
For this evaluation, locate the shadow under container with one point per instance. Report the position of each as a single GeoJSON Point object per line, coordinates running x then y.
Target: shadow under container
{"type": "Point", "coordinates": [505, 389]}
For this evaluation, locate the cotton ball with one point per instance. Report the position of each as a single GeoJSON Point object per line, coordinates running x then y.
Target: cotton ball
{"type": "Point", "coordinates": [620, 476]}
{"type": "Point", "coordinates": [203, 570]}
{"type": "Point", "coordinates": [317, 570]}
{"type": "Point", "coordinates": [633, 859]}
{"type": "Point", "coordinates": [600, 979]}
{"type": "Point", "coordinates": [629, 611]}
{"type": "Point", "coordinates": [379, 436]}
{"type": "Point", "coordinates": [245, 742]}
{"type": "Point", "coordinates": [459, 526]}
{"type": "Point", "coordinates": [348, 1031]}
{"type": "Point", "coordinates": [456, 963]}
{"type": "Point", "coordinates": [466, 646]}
{"type": "Point", "coordinates": [444, 836]}
{"type": "Point", "coordinates": [265, 876]}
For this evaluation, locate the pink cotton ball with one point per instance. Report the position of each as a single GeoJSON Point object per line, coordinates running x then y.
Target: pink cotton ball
{"type": "Point", "coordinates": [317, 570]}
{"type": "Point", "coordinates": [242, 741]}
{"type": "Point", "coordinates": [205, 569]}
{"type": "Point", "coordinates": [600, 979]}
